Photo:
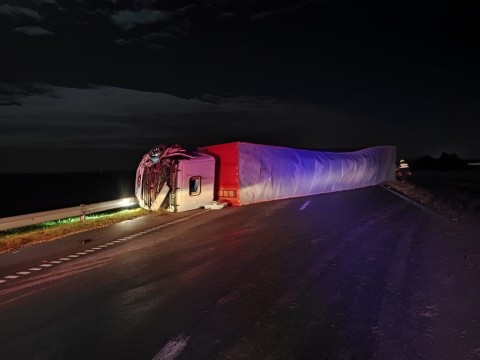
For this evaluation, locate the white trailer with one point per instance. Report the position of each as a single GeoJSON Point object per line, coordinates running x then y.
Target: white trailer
{"type": "Point", "coordinates": [241, 173]}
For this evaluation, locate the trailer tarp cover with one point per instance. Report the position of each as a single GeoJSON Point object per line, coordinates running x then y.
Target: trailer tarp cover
{"type": "Point", "coordinates": [269, 172]}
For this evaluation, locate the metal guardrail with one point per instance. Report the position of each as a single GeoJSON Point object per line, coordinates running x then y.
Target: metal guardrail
{"type": "Point", "coordinates": [13, 222]}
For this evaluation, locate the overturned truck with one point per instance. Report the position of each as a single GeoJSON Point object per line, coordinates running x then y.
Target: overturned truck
{"type": "Point", "coordinates": [241, 173]}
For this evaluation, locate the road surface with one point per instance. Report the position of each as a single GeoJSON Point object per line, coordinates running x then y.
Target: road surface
{"type": "Point", "coordinates": [359, 274]}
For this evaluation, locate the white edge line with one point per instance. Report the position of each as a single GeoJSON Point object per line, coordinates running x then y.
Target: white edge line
{"type": "Point", "coordinates": [405, 198]}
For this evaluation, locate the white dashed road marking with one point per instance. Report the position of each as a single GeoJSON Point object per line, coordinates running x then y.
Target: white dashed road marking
{"type": "Point", "coordinates": [173, 348]}
{"type": "Point", "coordinates": [305, 205]}
{"type": "Point", "coordinates": [175, 345]}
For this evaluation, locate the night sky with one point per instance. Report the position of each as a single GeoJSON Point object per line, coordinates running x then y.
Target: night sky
{"type": "Point", "coordinates": [90, 85]}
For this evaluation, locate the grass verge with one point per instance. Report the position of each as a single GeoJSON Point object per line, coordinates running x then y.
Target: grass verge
{"type": "Point", "coordinates": [15, 238]}
{"type": "Point", "coordinates": [448, 201]}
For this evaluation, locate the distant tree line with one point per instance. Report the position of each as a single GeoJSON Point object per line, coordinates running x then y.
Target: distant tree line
{"type": "Point", "coordinates": [444, 162]}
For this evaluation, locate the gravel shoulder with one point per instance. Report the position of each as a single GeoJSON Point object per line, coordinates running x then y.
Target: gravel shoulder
{"type": "Point", "coordinates": [456, 202]}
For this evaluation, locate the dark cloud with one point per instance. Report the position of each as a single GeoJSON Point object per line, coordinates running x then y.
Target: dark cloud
{"type": "Point", "coordinates": [19, 13]}
{"type": "Point", "coordinates": [32, 31]}
{"type": "Point", "coordinates": [127, 19]}
{"type": "Point", "coordinates": [109, 116]}
{"type": "Point", "coordinates": [336, 73]}
{"type": "Point", "coordinates": [283, 11]}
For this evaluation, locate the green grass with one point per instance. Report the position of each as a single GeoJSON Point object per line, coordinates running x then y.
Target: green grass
{"type": "Point", "coordinates": [15, 238]}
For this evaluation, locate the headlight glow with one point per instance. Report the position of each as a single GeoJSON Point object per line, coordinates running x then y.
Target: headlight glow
{"type": "Point", "coordinates": [126, 202]}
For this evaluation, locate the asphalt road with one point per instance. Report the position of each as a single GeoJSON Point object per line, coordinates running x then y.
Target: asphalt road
{"type": "Point", "coordinates": [361, 274]}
